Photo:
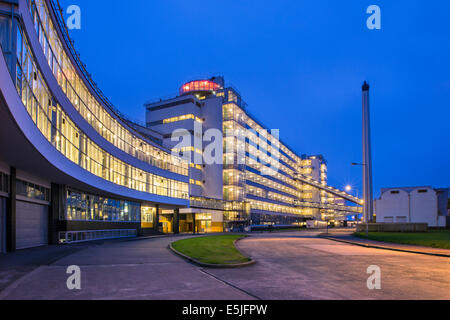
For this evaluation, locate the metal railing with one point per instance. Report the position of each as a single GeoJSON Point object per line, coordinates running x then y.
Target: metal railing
{"type": "Point", "coordinates": [65, 237]}
{"type": "Point", "coordinates": [332, 190]}
{"type": "Point", "coordinates": [224, 205]}
{"type": "Point", "coordinates": [327, 206]}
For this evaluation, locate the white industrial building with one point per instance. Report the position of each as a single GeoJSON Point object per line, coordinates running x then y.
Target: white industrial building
{"type": "Point", "coordinates": [413, 205]}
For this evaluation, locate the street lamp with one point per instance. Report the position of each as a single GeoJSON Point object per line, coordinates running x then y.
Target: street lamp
{"type": "Point", "coordinates": [349, 188]}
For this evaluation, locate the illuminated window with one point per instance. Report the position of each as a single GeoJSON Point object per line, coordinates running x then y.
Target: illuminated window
{"type": "Point", "coordinates": [200, 85]}
{"type": "Point", "coordinates": [183, 117]}
{"type": "Point", "coordinates": [70, 141]}
{"type": "Point", "coordinates": [87, 104]}
{"type": "Point", "coordinates": [195, 182]}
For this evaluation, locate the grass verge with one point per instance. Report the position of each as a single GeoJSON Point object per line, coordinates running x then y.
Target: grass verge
{"type": "Point", "coordinates": [434, 239]}
{"type": "Point", "coordinates": [213, 249]}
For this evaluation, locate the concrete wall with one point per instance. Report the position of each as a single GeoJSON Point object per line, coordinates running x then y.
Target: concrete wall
{"type": "Point", "coordinates": [393, 204]}
{"type": "Point", "coordinates": [409, 205]}
{"type": "Point", "coordinates": [211, 112]}
{"type": "Point", "coordinates": [424, 206]}
{"type": "Point", "coordinates": [26, 176]}
{"type": "Point", "coordinates": [213, 174]}
{"type": "Point", "coordinates": [173, 111]}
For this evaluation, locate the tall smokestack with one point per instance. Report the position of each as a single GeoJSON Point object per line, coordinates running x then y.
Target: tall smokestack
{"type": "Point", "coordinates": [367, 156]}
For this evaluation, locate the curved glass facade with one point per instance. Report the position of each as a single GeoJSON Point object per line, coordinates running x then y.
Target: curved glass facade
{"type": "Point", "coordinates": [74, 144]}
{"type": "Point", "coordinates": [88, 207]}
{"type": "Point", "coordinates": [86, 103]}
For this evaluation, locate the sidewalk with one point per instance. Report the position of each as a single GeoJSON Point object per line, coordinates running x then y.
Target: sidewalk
{"type": "Point", "coordinates": [17, 264]}
{"type": "Point", "coordinates": [350, 239]}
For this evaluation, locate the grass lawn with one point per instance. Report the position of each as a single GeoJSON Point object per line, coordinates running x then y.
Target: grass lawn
{"type": "Point", "coordinates": [213, 250]}
{"type": "Point", "coordinates": [434, 239]}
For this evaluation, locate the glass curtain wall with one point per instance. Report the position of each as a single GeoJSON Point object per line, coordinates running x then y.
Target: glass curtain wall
{"type": "Point", "coordinates": [87, 207]}
{"type": "Point", "coordinates": [67, 138]}
{"type": "Point", "coordinates": [88, 106]}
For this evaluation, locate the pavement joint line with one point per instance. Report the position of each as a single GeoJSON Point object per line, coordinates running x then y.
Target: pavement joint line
{"type": "Point", "coordinates": [66, 254]}
{"type": "Point", "coordinates": [111, 265]}
{"type": "Point", "coordinates": [366, 245]}
{"type": "Point", "coordinates": [229, 284]}
{"type": "Point", "coordinates": [5, 292]}
{"type": "Point", "coordinates": [47, 264]}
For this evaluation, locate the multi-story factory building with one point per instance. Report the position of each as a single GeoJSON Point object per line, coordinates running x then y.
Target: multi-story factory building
{"type": "Point", "coordinates": [73, 168]}
{"type": "Point", "coordinates": [253, 172]}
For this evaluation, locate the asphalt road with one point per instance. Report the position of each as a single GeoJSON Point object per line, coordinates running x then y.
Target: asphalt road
{"type": "Point", "coordinates": [290, 265]}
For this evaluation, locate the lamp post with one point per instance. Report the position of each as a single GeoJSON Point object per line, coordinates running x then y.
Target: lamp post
{"type": "Point", "coordinates": [349, 188]}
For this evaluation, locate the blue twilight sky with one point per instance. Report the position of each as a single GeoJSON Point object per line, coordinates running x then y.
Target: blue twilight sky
{"type": "Point", "coordinates": [299, 65]}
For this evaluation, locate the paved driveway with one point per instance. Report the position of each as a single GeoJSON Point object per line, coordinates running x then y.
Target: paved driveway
{"type": "Point", "coordinates": [302, 266]}
{"type": "Point", "coordinates": [143, 269]}
{"type": "Point", "coordinates": [291, 265]}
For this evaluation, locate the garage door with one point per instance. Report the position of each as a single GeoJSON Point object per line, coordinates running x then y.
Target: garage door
{"type": "Point", "coordinates": [31, 225]}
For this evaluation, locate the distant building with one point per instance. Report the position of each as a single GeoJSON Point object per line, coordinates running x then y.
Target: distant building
{"type": "Point", "coordinates": [244, 189]}
{"type": "Point", "coordinates": [413, 205]}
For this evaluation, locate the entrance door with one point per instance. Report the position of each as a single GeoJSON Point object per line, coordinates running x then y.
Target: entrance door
{"type": "Point", "coordinates": [166, 221]}
{"type": "Point", "coordinates": [205, 226]}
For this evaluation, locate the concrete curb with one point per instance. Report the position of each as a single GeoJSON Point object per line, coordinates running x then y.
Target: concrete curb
{"type": "Point", "coordinates": [366, 245]}
{"type": "Point", "coordinates": [162, 236]}
{"type": "Point", "coordinates": [148, 237]}
{"type": "Point", "coordinates": [210, 265]}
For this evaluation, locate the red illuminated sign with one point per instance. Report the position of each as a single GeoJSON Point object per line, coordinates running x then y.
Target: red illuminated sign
{"type": "Point", "coordinates": [199, 85]}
